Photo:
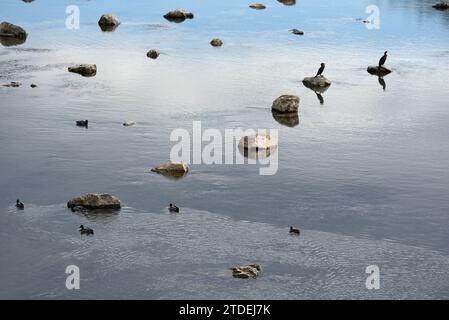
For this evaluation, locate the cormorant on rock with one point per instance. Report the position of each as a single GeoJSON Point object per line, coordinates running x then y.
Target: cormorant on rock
{"type": "Point", "coordinates": [320, 70]}
{"type": "Point", "coordinates": [383, 59]}
{"type": "Point", "coordinates": [173, 208]}
{"type": "Point", "coordinates": [19, 205]}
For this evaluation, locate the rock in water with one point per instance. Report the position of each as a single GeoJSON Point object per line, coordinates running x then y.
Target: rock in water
{"type": "Point", "coordinates": [172, 169]}
{"type": "Point", "coordinates": [153, 54]}
{"type": "Point", "coordinates": [297, 32]}
{"type": "Point", "coordinates": [316, 83]}
{"type": "Point", "coordinates": [86, 70]}
{"type": "Point", "coordinates": [258, 142]}
{"type": "Point", "coordinates": [245, 272]}
{"type": "Point", "coordinates": [216, 42]}
{"type": "Point", "coordinates": [379, 71]}
{"type": "Point", "coordinates": [12, 31]}
{"type": "Point", "coordinates": [441, 6]}
{"type": "Point", "coordinates": [129, 123]}
{"type": "Point", "coordinates": [286, 104]}
{"type": "Point", "coordinates": [288, 2]}
{"type": "Point", "coordinates": [178, 15]}
{"type": "Point", "coordinates": [257, 6]}
{"type": "Point", "coordinates": [13, 84]}
{"type": "Point", "coordinates": [108, 22]}
{"type": "Point", "coordinates": [95, 201]}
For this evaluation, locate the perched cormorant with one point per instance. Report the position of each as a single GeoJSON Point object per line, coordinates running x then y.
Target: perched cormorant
{"type": "Point", "coordinates": [320, 70]}
{"type": "Point", "coordinates": [294, 231]}
{"type": "Point", "coordinates": [173, 208]}
{"type": "Point", "coordinates": [19, 205]}
{"type": "Point", "coordinates": [383, 59]}
{"type": "Point", "coordinates": [82, 123]}
{"type": "Point", "coordinates": [87, 231]}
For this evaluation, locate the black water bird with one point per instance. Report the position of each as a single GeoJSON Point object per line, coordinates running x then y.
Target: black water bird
{"type": "Point", "coordinates": [87, 231]}
{"type": "Point", "coordinates": [383, 59]}
{"type": "Point", "coordinates": [173, 208]}
{"type": "Point", "coordinates": [320, 70]}
{"type": "Point", "coordinates": [82, 123]}
{"type": "Point", "coordinates": [19, 205]}
{"type": "Point", "coordinates": [294, 231]}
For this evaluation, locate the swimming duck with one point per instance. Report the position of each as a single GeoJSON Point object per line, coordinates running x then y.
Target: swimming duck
{"type": "Point", "coordinates": [173, 208]}
{"type": "Point", "coordinates": [19, 205]}
{"type": "Point", "coordinates": [294, 231]}
{"type": "Point", "coordinates": [82, 123]}
{"type": "Point", "coordinates": [87, 231]}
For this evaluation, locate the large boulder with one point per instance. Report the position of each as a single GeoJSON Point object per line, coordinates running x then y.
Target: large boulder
{"type": "Point", "coordinates": [258, 142]}
{"type": "Point", "coordinates": [108, 22]}
{"type": "Point", "coordinates": [172, 169]}
{"type": "Point", "coordinates": [379, 70]}
{"type": "Point", "coordinates": [286, 104]}
{"type": "Point", "coordinates": [95, 201]}
{"type": "Point", "coordinates": [10, 30]}
{"type": "Point", "coordinates": [245, 272]}
{"type": "Point", "coordinates": [86, 70]}
{"type": "Point", "coordinates": [178, 15]}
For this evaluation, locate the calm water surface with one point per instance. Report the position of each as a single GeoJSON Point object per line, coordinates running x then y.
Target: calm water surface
{"type": "Point", "coordinates": [364, 175]}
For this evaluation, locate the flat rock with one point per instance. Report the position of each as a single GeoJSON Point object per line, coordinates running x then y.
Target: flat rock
{"type": "Point", "coordinates": [316, 82]}
{"type": "Point", "coordinates": [288, 2]}
{"type": "Point", "coordinates": [257, 6]}
{"type": "Point", "coordinates": [172, 169]}
{"type": "Point", "coordinates": [10, 30]}
{"type": "Point", "coordinates": [86, 70]}
{"type": "Point", "coordinates": [95, 201]}
{"type": "Point", "coordinates": [379, 70]}
{"type": "Point", "coordinates": [178, 15]}
{"type": "Point", "coordinates": [258, 142]}
{"type": "Point", "coordinates": [297, 32]}
{"type": "Point", "coordinates": [153, 54]}
{"type": "Point", "coordinates": [129, 123]}
{"type": "Point", "coordinates": [286, 104]}
{"type": "Point", "coordinates": [245, 272]}
{"type": "Point", "coordinates": [12, 84]}
{"type": "Point", "coordinates": [216, 42]}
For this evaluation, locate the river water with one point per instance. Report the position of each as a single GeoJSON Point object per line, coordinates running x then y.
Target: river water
{"type": "Point", "coordinates": [363, 175]}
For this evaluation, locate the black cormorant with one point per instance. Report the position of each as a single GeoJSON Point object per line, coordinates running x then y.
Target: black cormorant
{"type": "Point", "coordinates": [383, 59]}
{"type": "Point", "coordinates": [294, 231]}
{"type": "Point", "coordinates": [320, 70]}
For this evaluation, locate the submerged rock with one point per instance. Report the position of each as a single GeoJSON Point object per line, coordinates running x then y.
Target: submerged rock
{"type": "Point", "coordinates": [286, 104]}
{"type": "Point", "coordinates": [12, 84]}
{"type": "Point", "coordinates": [86, 70]}
{"type": "Point", "coordinates": [178, 15]}
{"type": "Point", "coordinates": [245, 272]}
{"type": "Point", "coordinates": [33, 85]}
{"type": "Point", "coordinates": [379, 70]}
{"type": "Point", "coordinates": [129, 123]}
{"type": "Point", "coordinates": [153, 54]}
{"type": "Point", "coordinates": [258, 142]}
{"type": "Point", "coordinates": [297, 32]}
{"type": "Point", "coordinates": [441, 6]}
{"type": "Point", "coordinates": [257, 6]}
{"type": "Point", "coordinates": [290, 119]}
{"type": "Point", "coordinates": [172, 169]}
{"type": "Point", "coordinates": [216, 42]}
{"type": "Point", "coordinates": [108, 22]}
{"type": "Point", "coordinates": [316, 83]}
{"type": "Point", "coordinates": [95, 201]}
